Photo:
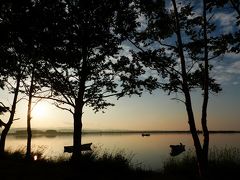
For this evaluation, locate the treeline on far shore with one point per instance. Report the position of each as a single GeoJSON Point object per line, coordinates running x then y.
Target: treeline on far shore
{"type": "Point", "coordinates": [23, 132]}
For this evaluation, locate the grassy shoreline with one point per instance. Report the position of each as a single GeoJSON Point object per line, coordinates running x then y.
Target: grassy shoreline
{"type": "Point", "coordinates": [223, 164]}
{"type": "Point", "coordinates": [92, 166]}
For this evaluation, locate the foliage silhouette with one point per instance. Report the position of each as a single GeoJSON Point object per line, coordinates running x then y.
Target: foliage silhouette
{"type": "Point", "coordinates": [82, 44]}
{"type": "Point", "coordinates": [177, 45]}
{"type": "Point", "coordinates": [20, 49]}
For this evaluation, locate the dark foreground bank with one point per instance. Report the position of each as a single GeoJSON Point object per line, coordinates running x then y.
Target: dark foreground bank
{"type": "Point", "coordinates": [13, 166]}
{"type": "Point", "coordinates": [224, 164]}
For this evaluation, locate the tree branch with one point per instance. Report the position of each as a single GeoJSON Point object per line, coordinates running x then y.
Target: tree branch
{"type": "Point", "coordinates": [11, 86]}
{"type": "Point", "coordinates": [213, 57]}
{"type": "Point", "coordinates": [4, 105]}
{"type": "Point", "coordinates": [66, 81]}
{"type": "Point", "coordinates": [63, 108]}
{"type": "Point", "coordinates": [110, 95]}
{"type": "Point", "coordinates": [2, 123]}
{"type": "Point", "coordinates": [22, 98]}
{"type": "Point", "coordinates": [195, 62]}
{"type": "Point", "coordinates": [167, 45]}
{"type": "Point", "coordinates": [16, 119]}
{"type": "Point", "coordinates": [69, 100]}
{"type": "Point", "coordinates": [106, 96]}
{"type": "Point", "coordinates": [54, 99]}
{"type": "Point", "coordinates": [138, 47]}
{"type": "Point", "coordinates": [178, 100]}
{"type": "Point", "coordinates": [235, 6]}
{"type": "Point", "coordinates": [25, 87]}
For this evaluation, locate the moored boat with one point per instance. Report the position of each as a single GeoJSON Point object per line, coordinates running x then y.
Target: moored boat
{"type": "Point", "coordinates": [84, 147]}
{"type": "Point", "coordinates": [177, 149]}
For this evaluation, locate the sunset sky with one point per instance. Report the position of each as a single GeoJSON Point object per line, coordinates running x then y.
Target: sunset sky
{"type": "Point", "coordinates": [154, 111]}
{"type": "Point", "coordinates": [149, 112]}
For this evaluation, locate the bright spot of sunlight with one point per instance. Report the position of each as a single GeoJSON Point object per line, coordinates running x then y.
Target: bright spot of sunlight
{"type": "Point", "coordinates": [39, 110]}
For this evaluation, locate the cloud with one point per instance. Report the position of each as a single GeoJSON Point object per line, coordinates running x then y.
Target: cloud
{"type": "Point", "coordinates": [232, 56]}
{"type": "Point", "coordinates": [143, 23]}
{"type": "Point", "coordinates": [234, 68]}
{"type": "Point", "coordinates": [225, 21]}
{"type": "Point", "coordinates": [225, 74]}
{"type": "Point", "coordinates": [235, 83]}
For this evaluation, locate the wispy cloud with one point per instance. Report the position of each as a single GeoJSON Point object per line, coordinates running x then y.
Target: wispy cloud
{"type": "Point", "coordinates": [235, 83]}
{"type": "Point", "coordinates": [228, 73]}
{"type": "Point", "coordinates": [225, 21]}
{"type": "Point", "coordinates": [234, 68]}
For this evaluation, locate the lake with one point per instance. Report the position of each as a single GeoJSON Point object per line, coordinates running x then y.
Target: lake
{"type": "Point", "coordinates": [149, 152]}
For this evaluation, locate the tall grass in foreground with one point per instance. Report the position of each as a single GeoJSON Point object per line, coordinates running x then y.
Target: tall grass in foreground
{"type": "Point", "coordinates": [93, 164]}
{"type": "Point", "coordinates": [224, 155]}
{"type": "Point", "coordinates": [224, 163]}
{"type": "Point", "coordinates": [19, 154]}
{"type": "Point", "coordinates": [97, 155]}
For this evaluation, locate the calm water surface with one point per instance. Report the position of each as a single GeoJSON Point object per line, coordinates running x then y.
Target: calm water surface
{"type": "Point", "coordinates": [149, 152]}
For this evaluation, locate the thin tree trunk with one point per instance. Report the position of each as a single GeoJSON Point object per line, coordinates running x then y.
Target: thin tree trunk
{"type": "Point", "coordinates": [11, 118]}
{"type": "Point", "coordinates": [206, 91]}
{"type": "Point", "coordinates": [29, 116]}
{"type": "Point", "coordinates": [188, 103]}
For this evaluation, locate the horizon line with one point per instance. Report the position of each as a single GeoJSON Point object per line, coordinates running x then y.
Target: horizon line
{"type": "Point", "coordinates": [62, 130]}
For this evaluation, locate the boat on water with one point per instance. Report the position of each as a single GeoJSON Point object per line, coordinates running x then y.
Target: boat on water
{"type": "Point", "coordinates": [145, 134]}
{"type": "Point", "coordinates": [177, 149]}
{"type": "Point", "coordinates": [84, 147]}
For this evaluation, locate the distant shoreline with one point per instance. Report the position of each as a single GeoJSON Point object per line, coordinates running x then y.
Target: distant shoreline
{"type": "Point", "coordinates": [69, 132]}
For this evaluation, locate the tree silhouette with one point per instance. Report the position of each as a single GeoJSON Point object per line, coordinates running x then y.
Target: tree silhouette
{"type": "Point", "coordinates": [233, 38]}
{"type": "Point", "coordinates": [73, 48]}
{"type": "Point", "coordinates": [17, 77]}
{"type": "Point", "coordinates": [19, 50]}
{"type": "Point", "coordinates": [82, 51]}
{"type": "Point", "coordinates": [31, 90]}
{"type": "Point", "coordinates": [177, 44]}
{"type": "Point", "coordinates": [3, 109]}
{"type": "Point", "coordinates": [31, 38]}
{"type": "Point", "coordinates": [12, 60]}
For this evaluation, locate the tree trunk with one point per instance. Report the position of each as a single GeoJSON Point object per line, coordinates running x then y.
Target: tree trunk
{"type": "Point", "coordinates": [11, 118]}
{"type": "Point", "coordinates": [78, 109]}
{"type": "Point", "coordinates": [188, 103]}
{"type": "Point", "coordinates": [77, 133]}
{"type": "Point", "coordinates": [29, 117]}
{"type": "Point", "coordinates": [198, 148]}
{"type": "Point", "coordinates": [206, 92]}
{"type": "Point", "coordinates": [3, 138]}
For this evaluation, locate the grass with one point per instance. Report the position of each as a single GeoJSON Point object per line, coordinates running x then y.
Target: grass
{"type": "Point", "coordinates": [223, 164]}
{"type": "Point", "coordinates": [93, 165]}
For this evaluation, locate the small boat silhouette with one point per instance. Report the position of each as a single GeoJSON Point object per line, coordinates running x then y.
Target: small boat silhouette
{"type": "Point", "coordinates": [177, 149]}
{"type": "Point", "coordinates": [145, 134]}
{"type": "Point", "coordinates": [84, 147]}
